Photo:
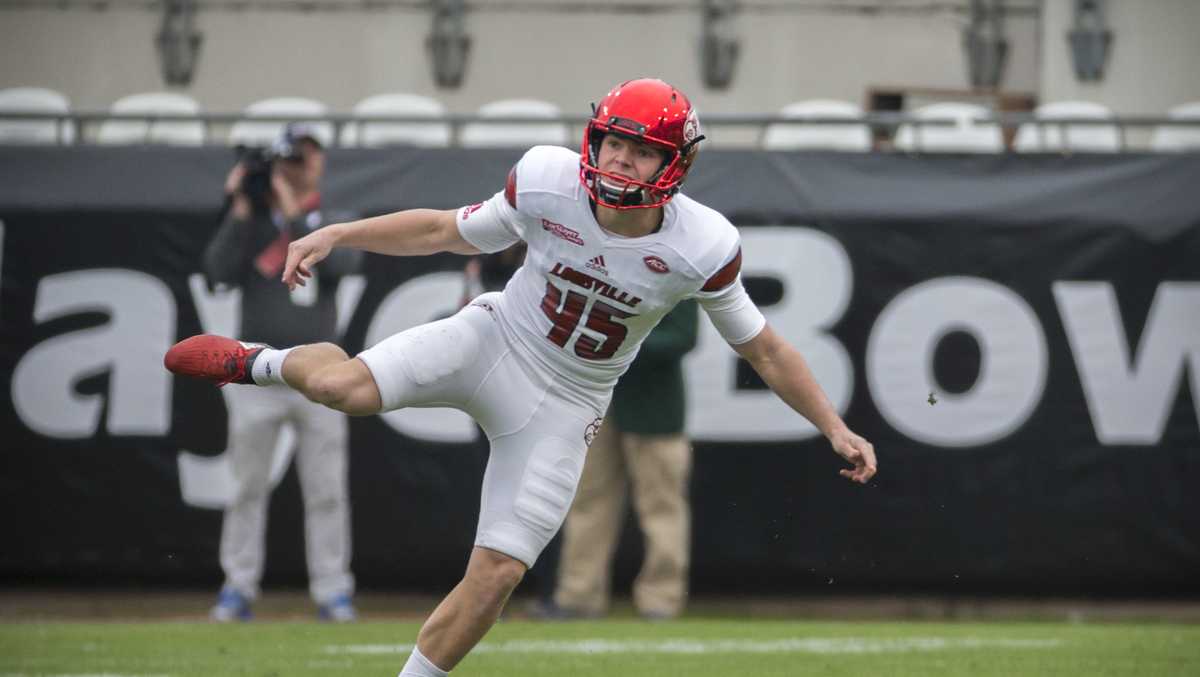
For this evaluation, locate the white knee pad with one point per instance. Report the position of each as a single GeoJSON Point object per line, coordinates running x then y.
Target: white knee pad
{"type": "Point", "coordinates": [548, 486]}
{"type": "Point", "coordinates": [527, 493]}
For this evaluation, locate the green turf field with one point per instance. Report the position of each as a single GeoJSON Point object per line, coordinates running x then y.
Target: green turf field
{"type": "Point", "coordinates": [696, 648]}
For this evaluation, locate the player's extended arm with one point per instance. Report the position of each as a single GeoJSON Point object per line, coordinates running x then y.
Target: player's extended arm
{"type": "Point", "coordinates": [784, 369]}
{"type": "Point", "coordinates": [412, 232]}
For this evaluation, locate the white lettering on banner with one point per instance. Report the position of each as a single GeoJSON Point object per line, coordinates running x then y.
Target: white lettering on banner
{"type": "Point", "coordinates": [419, 300]}
{"type": "Point", "coordinates": [129, 347]}
{"type": "Point", "coordinates": [1012, 369]}
{"type": "Point", "coordinates": [1129, 393]}
{"type": "Point", "coordinates": [349, 293]}
{"type": "Point", "coordinates": [818, 281]}
{"type": "Point", "coordinates": [305, 295]}
{"type": "Point", "coordinates": [219, 311]}
{"type": "Point", "coordinates": [1129, 396]}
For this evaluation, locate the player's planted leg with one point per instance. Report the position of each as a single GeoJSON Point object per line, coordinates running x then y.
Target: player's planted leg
{"type": "Point", "coordinates": [467, 613]}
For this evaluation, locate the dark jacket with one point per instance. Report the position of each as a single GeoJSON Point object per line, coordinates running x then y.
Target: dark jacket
{"type": "Point", "coordinates": [246, 254]}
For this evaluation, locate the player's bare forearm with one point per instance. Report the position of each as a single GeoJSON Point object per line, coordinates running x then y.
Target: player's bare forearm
{"type": "Point", "coordinates": [413, 232]}
{"type": "Point", "coordinates": [785, 370]}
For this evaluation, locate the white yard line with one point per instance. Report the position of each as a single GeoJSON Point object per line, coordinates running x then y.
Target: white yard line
{"type": "Point", "coordinates": [841, 645]}
{"type": "Point", "coordinates": [81, 674]}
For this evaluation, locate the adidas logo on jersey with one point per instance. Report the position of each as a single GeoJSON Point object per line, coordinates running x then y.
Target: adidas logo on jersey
{"type": "Point", "coordinates": [597, 264]}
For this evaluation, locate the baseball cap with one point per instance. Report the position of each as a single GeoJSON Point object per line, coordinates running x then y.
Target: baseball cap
{"type": "Point", "coordinates": [293, 132]}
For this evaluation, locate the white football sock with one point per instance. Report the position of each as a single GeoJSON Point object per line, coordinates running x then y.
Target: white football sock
{"type": "Point", "coordinates": [420, 666]}
{"type": "Point", "coordinates": [267, 369]}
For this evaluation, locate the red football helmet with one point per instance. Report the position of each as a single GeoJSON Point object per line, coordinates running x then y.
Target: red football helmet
{"type": "Point", "coordinates": [648, 111]}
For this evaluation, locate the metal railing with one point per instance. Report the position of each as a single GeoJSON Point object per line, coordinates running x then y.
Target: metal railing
{"type": "Point", "coordinates": [882, 124]}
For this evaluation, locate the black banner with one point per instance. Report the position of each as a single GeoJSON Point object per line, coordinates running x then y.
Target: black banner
{"type": "Point", "coordinates": [1018, 335]}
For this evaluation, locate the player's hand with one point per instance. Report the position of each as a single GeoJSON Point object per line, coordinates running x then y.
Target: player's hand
{"type": "Point", "coordinates": [303, 254]}
{"type": "Point", "coordinates": [857, 451]}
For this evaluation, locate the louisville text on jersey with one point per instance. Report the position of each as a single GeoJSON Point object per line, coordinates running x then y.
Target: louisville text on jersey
{"type": "Point", "coordinates": [586, 281]}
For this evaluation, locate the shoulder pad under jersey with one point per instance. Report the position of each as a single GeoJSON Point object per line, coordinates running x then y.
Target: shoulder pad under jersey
{"type": "Point", "coordinates": [543, 171]}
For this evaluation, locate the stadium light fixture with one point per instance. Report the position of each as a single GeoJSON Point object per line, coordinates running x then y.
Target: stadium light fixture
{"type": "Point", "coordinates": [1090, 40]}
{"type": "Point", "coordinates": [448, 43]}
{"type": "Point", "coordinates": [178, 42]}
{"type": "Point", "coordinates": [984, 45]}
{"type": "Point", "coordinates": [719, 47]}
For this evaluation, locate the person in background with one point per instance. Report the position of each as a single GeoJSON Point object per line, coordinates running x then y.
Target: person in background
{"type": "Point", "coordinates": [274, 197]}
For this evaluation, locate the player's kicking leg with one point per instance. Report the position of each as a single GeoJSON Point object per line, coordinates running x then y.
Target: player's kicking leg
{"type": "Point", "coordinates": [322, 372]}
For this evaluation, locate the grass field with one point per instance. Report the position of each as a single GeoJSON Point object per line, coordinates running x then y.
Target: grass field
{"type": "Point", "coordinates": [696, 648]}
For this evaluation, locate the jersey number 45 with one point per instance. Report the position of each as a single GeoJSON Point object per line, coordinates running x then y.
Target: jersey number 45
{"type": "Point", "coordinates": [566, 315]}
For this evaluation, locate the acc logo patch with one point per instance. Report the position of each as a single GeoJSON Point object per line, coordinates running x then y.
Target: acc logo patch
{"type": "Point", "coordinates": [656, 264]}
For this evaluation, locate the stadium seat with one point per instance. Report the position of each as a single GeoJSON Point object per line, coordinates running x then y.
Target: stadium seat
{"type": "Point", "coordinates": [1176, 138]}
{"type": "Point", "coordinates": [508, 134]}
{"type": "Point", "coordinates": [1034, 137]}
{"type": "Point", "coordinates": [296, 109]}
{"type": "Point", "coordinates": [966, 135]}
{"type": "Point", "coordinates": [375, 134]}
{"type": "Point", "coordinates": [179, 133]}
{"type": "Point", "coordinates": [798, 136]}
{"type": "Point", "coordinates": [35, 100]}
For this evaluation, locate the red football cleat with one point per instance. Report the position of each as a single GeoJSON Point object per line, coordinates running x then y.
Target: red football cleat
{"type": "Point", "coordinates": [214, 358]}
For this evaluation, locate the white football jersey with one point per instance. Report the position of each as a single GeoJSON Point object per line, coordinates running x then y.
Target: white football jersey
{"type": "Point", "coordinates": [585, 298]}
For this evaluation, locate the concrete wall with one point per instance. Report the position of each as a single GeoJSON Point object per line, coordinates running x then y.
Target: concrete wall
{"type": "Point", "coordinates": [100, 52]}
{"type": "Point", "coordinates": [571, 58]}
{"type": "Point", "coordinates": [1154, 62]}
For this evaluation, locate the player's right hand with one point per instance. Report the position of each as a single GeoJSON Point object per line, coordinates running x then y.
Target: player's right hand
{"type": "Point", "coordinates": [303, 254]}
{"type": "Point", "coordinates": [858, 452]}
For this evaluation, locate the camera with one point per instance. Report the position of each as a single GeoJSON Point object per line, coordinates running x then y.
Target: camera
{"type": "Point", "coordinates": [256, 182]}
{"type": "Point", "coordinates": [259, 162]}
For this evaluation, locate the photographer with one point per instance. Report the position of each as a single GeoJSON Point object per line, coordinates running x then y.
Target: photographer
{"type": "Point", "coordinates": [273, 198]}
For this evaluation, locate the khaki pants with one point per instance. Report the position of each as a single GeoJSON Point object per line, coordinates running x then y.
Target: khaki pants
{"type": "Point", "coordinates": [658, 467]}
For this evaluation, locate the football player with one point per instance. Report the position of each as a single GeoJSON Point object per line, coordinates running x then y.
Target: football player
{"type": "Point", "coordinates": [612, 247]}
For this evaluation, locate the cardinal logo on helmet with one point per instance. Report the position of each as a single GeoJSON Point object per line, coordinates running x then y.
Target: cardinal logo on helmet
{"type": "Point", "coordinates": [691, 126]}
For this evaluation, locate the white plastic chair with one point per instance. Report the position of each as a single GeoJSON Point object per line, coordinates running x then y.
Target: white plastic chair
{"type": "Point", "coordinates": [179, 133]}
{"type": "Point", "coordinates": [1034, 137]}
{"type": "Point", "coordinates": [296, 109]}
{"type": "Point", "coordinates": [798, 136]}
{"type": "Point", "coordinates": [1175, 138]}
{"type": "Point", "coordinates": [966, 135]}
{"type": "Point", "coordinates": [506, 134]}
{"type": "Point", "coordinates": [375, 134]}
{"type": "Point", "coordinates": [35, 100]}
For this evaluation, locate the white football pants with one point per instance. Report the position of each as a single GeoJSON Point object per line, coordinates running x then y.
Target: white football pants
{"type": "Point", "coordinates": [536, 426]}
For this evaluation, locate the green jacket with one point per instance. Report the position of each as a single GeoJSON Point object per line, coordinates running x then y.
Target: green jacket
{"type": "Point", "coordinates": [649, 399]}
